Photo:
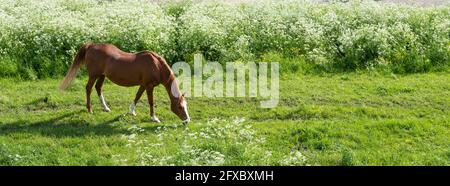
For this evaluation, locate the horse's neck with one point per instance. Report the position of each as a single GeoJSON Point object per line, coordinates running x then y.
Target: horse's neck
{"type": "Point", "coordinates": [168, 79]}
{"type": "Point", "coordinates": [171, 86]}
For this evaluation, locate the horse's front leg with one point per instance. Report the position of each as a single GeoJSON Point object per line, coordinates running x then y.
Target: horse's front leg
{"type": "Point", "coordinates": [89, 86]}
{"type": "Point", "coordinates": [152, 104]}
{"type": "Point", "coordinates": [136, 100]}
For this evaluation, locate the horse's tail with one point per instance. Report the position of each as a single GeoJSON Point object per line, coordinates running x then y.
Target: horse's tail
{"type": "Point", "coordinates": [79, 60]}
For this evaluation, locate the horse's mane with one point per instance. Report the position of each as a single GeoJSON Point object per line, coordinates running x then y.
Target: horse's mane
{"type": "Point", "coordinates": [165, 65]}
{"type": "Point", "coordinates": [161, 59]}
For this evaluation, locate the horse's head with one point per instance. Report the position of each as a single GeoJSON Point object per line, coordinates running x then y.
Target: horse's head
{"type": "Point", "coordinates": [179, 107]}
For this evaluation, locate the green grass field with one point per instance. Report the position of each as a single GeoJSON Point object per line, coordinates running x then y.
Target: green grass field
{"type": "Point", "coordinates": [341, 119]}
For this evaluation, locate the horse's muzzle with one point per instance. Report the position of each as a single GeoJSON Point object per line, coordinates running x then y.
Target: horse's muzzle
{"type": "Point", "coordinates": [186, 121]}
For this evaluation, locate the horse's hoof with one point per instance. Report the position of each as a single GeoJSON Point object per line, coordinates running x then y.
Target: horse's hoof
{"type": "Point", "coordinates": [106, 109]}
{"type": "Point", "coordinates": [133, 113]}
{"type": "Point", "coordinates": [155, 119]}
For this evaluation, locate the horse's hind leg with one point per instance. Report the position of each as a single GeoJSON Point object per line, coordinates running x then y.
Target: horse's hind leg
{"type": "Point", "coordinates": [98, 88]}
{"type": "Point", "coordinates": [136, 99]}
{"type": "Point", "coordinates": [89, 86]}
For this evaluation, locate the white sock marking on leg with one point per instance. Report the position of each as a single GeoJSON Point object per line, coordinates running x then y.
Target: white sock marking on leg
{"type": "Point", "coordinates": [102, 101]}
{"type": "Point", "coordinates": [155, 119]}
{"type": "Point", "coordinates": [132, 108]}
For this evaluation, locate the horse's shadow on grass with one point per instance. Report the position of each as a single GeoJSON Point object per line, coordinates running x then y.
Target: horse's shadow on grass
{"type": "Point", "coordinates": [58, 127]}
{"type": "Point", "coordinates": [51, 127]}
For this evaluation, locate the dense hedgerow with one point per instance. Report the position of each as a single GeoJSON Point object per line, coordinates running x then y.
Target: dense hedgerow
{"type": "Point", "coordinates": [338, 35]}
{"type": "Point", "coordinates": [40, 38]}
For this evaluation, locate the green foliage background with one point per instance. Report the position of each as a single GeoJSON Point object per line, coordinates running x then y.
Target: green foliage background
{"type": "Point", "coordinates": [38, 39]}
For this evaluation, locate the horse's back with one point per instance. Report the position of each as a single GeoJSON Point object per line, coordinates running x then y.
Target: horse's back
{"type": "Point", "coordinates": [99, 53]}
{"type": "Point", "coordinates": [102, 52]}
{"type": "Point", "coordinates": [125, 69]}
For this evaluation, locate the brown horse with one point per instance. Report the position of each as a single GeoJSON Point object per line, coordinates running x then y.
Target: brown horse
{"type": "Point", "coordinates": [145, 69]}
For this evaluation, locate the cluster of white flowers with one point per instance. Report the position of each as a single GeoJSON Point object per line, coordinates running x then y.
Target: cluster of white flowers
{"type": "Point", "coordinates": [44, 35]}
{"type": "Point", "coordinates": [215, 142]}
{"type": "Point", "coordinates": [197, 156]}
{"type": "Point", "coordinates": [10, 158]}
{"type": "Point", "coordinates": [351, 35]}
{"type": "Point", "coordinates": [295, 158]}
{"type": "Point", "coordinates": [15, 157]}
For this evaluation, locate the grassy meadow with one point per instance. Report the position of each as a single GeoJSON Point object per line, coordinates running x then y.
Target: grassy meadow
{"type": "Point", "coordinates": [341, 119]}
{"type": "Point", "coordinates": [362, 83]}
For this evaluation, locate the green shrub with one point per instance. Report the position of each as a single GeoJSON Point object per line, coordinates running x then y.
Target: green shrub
{"type": "Point", "coordinates": [43, 36]}
{"type": "Point", "coordinates": [8, 67]}
{"type": "Point", "coordinates": [345, 36]}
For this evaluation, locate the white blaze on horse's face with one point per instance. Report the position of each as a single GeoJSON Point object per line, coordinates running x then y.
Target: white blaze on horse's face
{"type": "Point", "coordinates": [179, 107]}
{"type": "Point", "coordinates": [184, 106]}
